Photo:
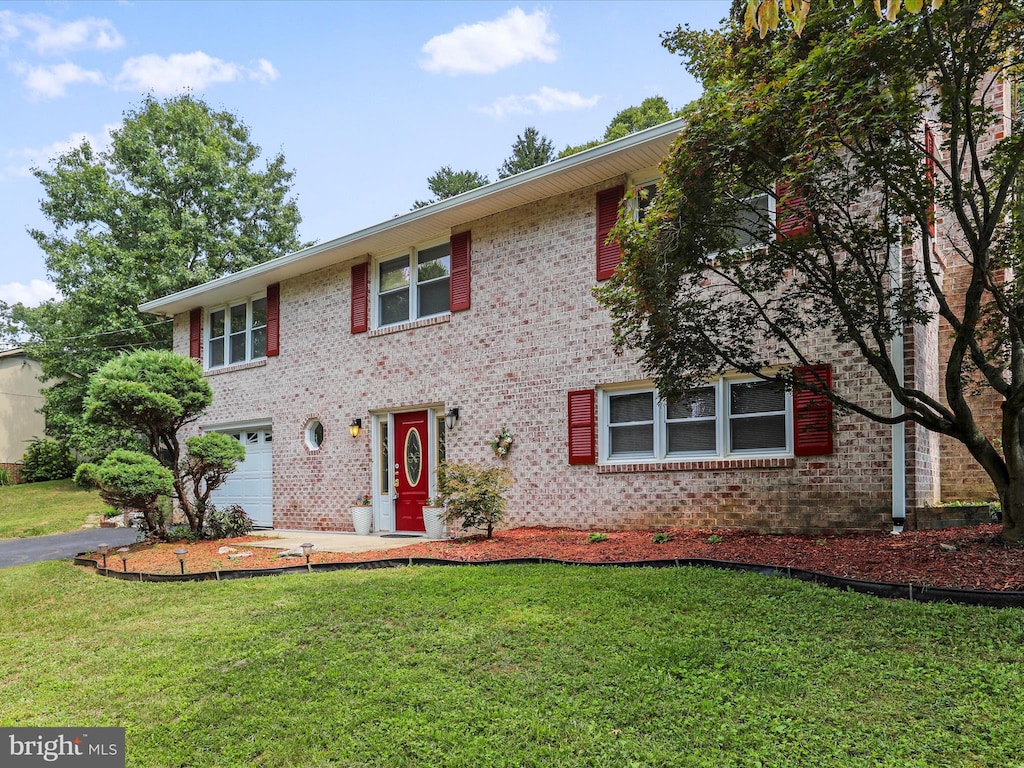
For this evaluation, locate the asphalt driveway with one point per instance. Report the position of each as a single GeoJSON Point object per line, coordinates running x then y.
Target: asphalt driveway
{"type": "Point", "coordinates": [58, 546]}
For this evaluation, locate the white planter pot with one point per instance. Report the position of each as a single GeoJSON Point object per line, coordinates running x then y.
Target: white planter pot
{"type": "Point", "coordinates": [362, 520]}
{"type": "Point", "coordinates": [433, 522]}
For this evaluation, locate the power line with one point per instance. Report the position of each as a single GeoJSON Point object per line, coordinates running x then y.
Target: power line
{"type": "Point", "coordinates": [105, 333]}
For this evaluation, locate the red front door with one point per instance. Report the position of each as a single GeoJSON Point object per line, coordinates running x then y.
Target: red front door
{"type": "Point", "coordinates": [412, 472]}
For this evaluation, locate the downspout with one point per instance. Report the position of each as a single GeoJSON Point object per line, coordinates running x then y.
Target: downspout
{"type": "Point", "coordinates": [899, 433]}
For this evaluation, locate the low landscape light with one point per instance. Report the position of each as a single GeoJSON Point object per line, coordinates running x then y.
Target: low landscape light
{"type": "Point", "coordinates": [123, 552]}
{"type": "Point", "coordinates": [181, 558]}
{"type": "Point", "coordinates": [102, 550]}
{"type": "Point", "coordinates": [307, 550]}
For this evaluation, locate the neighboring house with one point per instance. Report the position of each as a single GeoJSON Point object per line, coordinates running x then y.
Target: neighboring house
{"type": "Point", "coordinates": [480, 309]}
{"type": "Point", "coordinates": [21, 398]}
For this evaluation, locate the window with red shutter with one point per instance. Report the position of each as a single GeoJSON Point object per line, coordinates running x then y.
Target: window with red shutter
{"type": "Point", "coordinates": [812, 413]}
{"type": "Point", "coordinates": [273, 320]}
{"type": "Point", "coordinates": [360, 298]}
{"type": "Point", "coordinates": [460, 272]}
{"type": "Point", "coordinates": [793, 217]}
{"type": "Point", "coordinates": [609, 254]}
{"type": "Point", "coordinates": [582, 427]}
{"type": "Point", "coordinates": [195, 334]}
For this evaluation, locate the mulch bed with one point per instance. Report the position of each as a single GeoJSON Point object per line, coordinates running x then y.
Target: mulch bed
{"type": "Point", "coordinates": [963, 558]}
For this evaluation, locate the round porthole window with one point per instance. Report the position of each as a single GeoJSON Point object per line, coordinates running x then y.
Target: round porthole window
{"type": "Point", "coordinates": [314, 434]}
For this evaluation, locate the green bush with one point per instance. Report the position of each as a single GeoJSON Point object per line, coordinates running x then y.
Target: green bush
{"type": "Point", "coordinates": [46, 460]}
{"type": "Point", "coordinates": [226, 523]}
{"type": "Point", "coordinates": [474, 497]}
{"type": "Point", "coordinates": [596, 538]}
{"type": "Point", "coordinates": [132, 482]}
{"type": "Point", "coordinates": [5, 477]}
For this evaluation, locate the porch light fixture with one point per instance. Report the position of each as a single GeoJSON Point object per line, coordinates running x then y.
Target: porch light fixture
{"type": "Point", "coordinates": [354, 427]}
{"type": "Point", "coordinates": [181, 558]}
{"type": "Point", "coordinates": [451, 418]}
{"type": "Point", "coordinates": [123, 552]}
{"type": "Point", "coordinates": [307, 550]}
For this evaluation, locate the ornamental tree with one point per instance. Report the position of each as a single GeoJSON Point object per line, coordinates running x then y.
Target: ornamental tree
{"type": "Point", "coordinates": [155, 394]}
{"type": "Point", "coordinates": [862, 135]}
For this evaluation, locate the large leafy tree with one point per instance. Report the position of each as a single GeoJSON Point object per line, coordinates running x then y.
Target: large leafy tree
{"type": "Point", "coordinates": [530, 149]}
{"type": "Point", "coordinates": [178, 198]}
{"type": "Point", "coordinates": [835, 120]}
{"type": "Point", "coordinates": [445, 183]}
{"type": "Point", "coordinates": [652, 111]}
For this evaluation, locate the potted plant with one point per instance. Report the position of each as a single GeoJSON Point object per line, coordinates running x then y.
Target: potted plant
{"type": "Point", "coordinates": [434, 519]}
{"type": "Point", "coordinates": [362, 515]}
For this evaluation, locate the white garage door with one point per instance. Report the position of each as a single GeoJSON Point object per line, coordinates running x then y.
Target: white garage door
{"type": "Point", "coordinates": [250, 486]}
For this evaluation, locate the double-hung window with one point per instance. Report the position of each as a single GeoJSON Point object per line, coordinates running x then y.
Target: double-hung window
{"type": "Point", "coordinates": [414, 285]}
{"type": "Point", "coordinates": [755, 217]}
{"type": "Point", "coordinates": [728, 417]}
{"type": "Point", "coordinates": [237, 332]}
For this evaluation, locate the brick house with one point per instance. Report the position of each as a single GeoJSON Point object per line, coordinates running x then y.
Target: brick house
{"type": "Point", "coordinates": [354, 366]}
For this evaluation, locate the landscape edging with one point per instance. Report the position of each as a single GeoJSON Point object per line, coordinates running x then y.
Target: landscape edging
{"type": "Point", "coordinates": [888, 590]}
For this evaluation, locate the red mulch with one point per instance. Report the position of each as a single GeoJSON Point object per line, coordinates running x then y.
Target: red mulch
{"type": "Point", "coordinates": [966, 558]}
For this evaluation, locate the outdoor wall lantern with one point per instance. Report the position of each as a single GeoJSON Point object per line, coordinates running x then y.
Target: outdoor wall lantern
{"type": "Point", "coordinates": [123, 552]}
{"type": "Point", "coordinates": [181, 558]}
{"type": "Point", "coordinates": [451, 418]}
{"type": "Point", "coordinates": [307, 550]}
{"type": "Point", "coordinates": [354, 427]}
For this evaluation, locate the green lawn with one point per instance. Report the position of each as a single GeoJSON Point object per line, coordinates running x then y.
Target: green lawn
{"type": "Point", "coordinates": [34, 509]}
{"type": "Point", "coordinates": [510, 666]}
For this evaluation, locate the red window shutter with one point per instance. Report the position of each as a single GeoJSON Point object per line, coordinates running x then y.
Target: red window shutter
{"type": "Point", "coordinates": [460, 278]}
{"type": "Point", "coordinates": [608, 254]}
{"type": "Point", "coordinates": [273, 320]}
{"type": "Point", "coordinates": [582, 427]}
{"type": "Point", "coordinates": [360, 298]}
{"type": "Point", "coordinates": [929, 160]}
{"type": "Point", "coordinates": [792, 216]}
{"type": "Point", "coordinates": [195, 333]}
{"type": "Point", "coordinates": [812, 413]}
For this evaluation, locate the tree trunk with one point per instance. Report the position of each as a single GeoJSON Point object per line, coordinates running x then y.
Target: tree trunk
{"type": "Point", "coordinates": [1011, 499]}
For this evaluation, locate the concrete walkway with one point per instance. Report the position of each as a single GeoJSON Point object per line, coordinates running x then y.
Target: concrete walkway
{"type": "Point", "coordinates": [332, 542]}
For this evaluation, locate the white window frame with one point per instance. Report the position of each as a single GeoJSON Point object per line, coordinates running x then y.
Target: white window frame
{"type": "Point", "coordinates": [208, 338]}
{"type": "Point", "coordinates": [723, 420]}
{"type": "Point", "coordinates": [412, 286]}
{"type": "Point", "coordinates": [640, 181]}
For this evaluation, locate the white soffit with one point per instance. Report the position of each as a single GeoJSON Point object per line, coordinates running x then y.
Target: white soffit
{"type": "Point", "coordinates": [634, 152]}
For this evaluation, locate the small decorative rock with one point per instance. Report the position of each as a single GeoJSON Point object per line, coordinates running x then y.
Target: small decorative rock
{"type": "Point", "coordinates": [948, 547]}
{"type": "Point", "coordinates": [226, 550]}
{"type": "Point", "coordinates": [239, 555]}
{"type": "Point", "coordinates": [291, 553]}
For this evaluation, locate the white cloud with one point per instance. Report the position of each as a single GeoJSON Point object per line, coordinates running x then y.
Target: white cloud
{"type": "Point", "coordinates": [184, 71]}
{"type": "Point", "coordinates": [489, 46]}
{"type": "Point", "coordinates": [545, 100]}
{"type": "Point", "coordinates": [31, 295]}
{"type": "Point", "coordinates": [48, 36]}
{"type": "Point", "coordinates": [21, 162]}
{"type": "Point", "coordinates": [51, 82]}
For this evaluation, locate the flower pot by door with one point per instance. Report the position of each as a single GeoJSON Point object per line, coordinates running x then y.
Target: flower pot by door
{"type": "Point", "coordinates": [433, 522]}
{"type": "Point", "coordinates": [362, 520]}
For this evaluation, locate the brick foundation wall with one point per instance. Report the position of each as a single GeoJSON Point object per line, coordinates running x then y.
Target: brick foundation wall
{"type": "Point", "coordinates": [14, 470]}
{"type": "Point", "coordinates": [534, 332]}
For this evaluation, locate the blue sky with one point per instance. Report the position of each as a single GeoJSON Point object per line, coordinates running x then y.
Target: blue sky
{"type": "Point", "coordinates": [365, 100]}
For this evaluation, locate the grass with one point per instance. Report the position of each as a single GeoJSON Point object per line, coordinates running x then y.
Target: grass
{"type": "Point", "coordinates": [510, 666]}
{"type": "Point", "coordinates": [35, 509]}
